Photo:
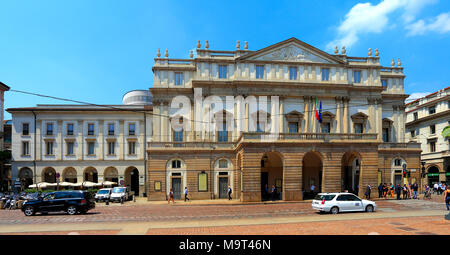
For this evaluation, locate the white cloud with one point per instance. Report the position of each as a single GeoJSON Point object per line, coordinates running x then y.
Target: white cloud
{"type": "Point", "coordinates": [416, 95]}
{"type": "Point", "coordinates": [365, 18]}
{"type": "Point", "coordinates": [439, 24]}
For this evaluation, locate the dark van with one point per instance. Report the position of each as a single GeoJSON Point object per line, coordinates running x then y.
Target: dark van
{"type": "Point", "coordinates": [71, 202]}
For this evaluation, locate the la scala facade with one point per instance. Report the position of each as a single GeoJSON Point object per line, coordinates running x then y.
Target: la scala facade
{"type": "Point", "coordinates": [288, 117]}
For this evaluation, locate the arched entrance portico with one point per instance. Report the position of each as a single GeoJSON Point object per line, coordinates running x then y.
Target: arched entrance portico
{"type": "Point", "coordinates": [49, 175]}
{"type": "Point", "coordinates": [271, 176]}
{"type": "Point", "coordinates": [70, 175]}
{"type": "Point", "coordinates": [312, 174]}
{"type": "Point", "coordinates": [91, 175]}
{"type": "Point", "coordinates": [132, 179]}
{"type": "Point", "coordinates": [111, 174]}
{"type": "Point", "coordinates": [26, 177]}
{"type": "Point", "coordinates": [351, 162]}
{"type": "Point", "coordinates": [433, 175]}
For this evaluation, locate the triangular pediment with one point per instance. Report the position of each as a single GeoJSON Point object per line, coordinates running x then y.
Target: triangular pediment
{"type": "Point", "coordinates": [292, 50]}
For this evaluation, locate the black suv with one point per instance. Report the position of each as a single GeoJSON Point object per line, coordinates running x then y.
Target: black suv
{"type": "Point", "coordinates": [67, 201]}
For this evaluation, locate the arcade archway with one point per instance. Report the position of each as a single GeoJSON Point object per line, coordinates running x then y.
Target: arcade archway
{"type": "Point", "coordinates": [132, 179]}
{"type": "Point", "coordinates": [350, 170]}
{"type": "Point", "coordinates": [271, 176]}
{"type": "Point", "coordinates": [312, 174]}
{"type": "Point", "coordinates": [49, 175]}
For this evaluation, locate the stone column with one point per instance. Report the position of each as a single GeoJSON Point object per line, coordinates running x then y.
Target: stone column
{"type": "Point", "coordinates": [394, 130]}
{"type": "Point", "coordinates": [372, 124]}
{"type": "Point", "coordinates": [156, 121]}
{"type": "Point", "coordinates": [101, 140]}
{"type": "Point", "coordinates": [346, 116]}
{"type": "Point", "coordinates": [379, 120]}
{"type": "Point", "coordinates": [247, 120]}
{"type": "Point", "coordinates": [121, 140]}
{"type": "Point", "coordinates": [306, 103]}
{"type": "Point", "coordinates": [401, 124]}
{"type": "Point", "coordinates": [338, 115]}
{"type": "Point", "coordinates": [165, 122]}
{"type": "Point", "coordinates": [281, 116]}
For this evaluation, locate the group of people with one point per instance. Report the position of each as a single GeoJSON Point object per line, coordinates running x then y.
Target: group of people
{"type": "Point", "coordinates": [171, 196]}
{"type": "Point", "coordinates": [270, 194]}
{"type": "Point", "coordinates": [402, 192]}
{"type": "Point", "coordinates": [439, 188]}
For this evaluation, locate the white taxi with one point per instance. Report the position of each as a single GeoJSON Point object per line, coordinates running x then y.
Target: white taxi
{"type": "Point", "coordinates": [342, 202]}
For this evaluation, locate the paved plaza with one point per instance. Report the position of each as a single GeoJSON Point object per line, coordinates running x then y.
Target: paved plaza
{"type": "Point", "coordinates": [404, 217]}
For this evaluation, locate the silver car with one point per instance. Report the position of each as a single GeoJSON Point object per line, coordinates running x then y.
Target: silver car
{"type": "Point", "coordinates": [342, 202]}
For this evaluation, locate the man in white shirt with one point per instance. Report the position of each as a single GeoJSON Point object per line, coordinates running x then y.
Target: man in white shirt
{"type": "Point", "coordinates": [435, 188]}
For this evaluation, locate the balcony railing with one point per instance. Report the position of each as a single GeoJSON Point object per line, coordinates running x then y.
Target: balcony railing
{"type": "Point", "coordinates": [324, 137]}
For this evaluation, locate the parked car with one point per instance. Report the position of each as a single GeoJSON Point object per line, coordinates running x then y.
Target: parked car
{"type": "Point", "coordinates": [103, 194]}
{"type": "Point", "coordinates": [120, 194]}
{"type": "Point", "coordinates": [67, 201]}
{"type": "Point", "coordinates": [342, 202]}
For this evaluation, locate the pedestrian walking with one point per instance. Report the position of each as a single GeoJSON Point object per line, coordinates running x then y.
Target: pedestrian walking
{"type": "Point", "coordinates": [391, 189]}
{"type": "Point", "coordinates": [229, 192]}
{"type": "Point", "coordinates": [398, 190]}
{"type": "Point", "coordinates": [368, 189]}
{"type": "Point", "coordinates": [415, 188]}
{"type": "Point", "coordinates": [186, 194]}
{"type": "Point", "coordinates": [447, 197]}
{"type": "Point", "coordinates": [405, 191]}
{"type": "Point", "coordinates": [274, 192]}
{"type": "Point", "coordinates": [311, 190]}
{"type": "Point", "coordinates": [380, 190]}
{"type": "Point", "coordinates": [171, 196]}
{"type": "Point", "coordinates": [385, 190]}
{"type": "Point", "coordinates": [435, 188]}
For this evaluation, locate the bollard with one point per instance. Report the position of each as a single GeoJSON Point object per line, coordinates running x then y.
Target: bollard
{"type": "Point", "coordinates": [107, 201]}
{"type": "Point", "coordinates": [134, 198]}
{"type": "Point", "coordinates": [121, 200]}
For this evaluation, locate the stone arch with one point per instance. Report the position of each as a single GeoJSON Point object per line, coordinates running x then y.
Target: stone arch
{"type": "Point", "coordinates": [351, 166]}
{"type": "Point", "coordinates": [90, 174]}
{"type": "Point", "coordinates": [312, 173]}
{"type": "Point", "coordinates": [132, 179]}
{"type": "Point", "coordinates": [111, 174]}
{"type": "Point", "coordinates": [222, 176]}
{"type": "Point", "coordinates": [69, 175]}
{"type": "Point", "coordinates": [397, 169]}
{"type": "Point", "coordinates": [49, 175]}
{"type": "Point", "coordinates": [271, 175]}
{"type": "Point", "coordinates": [176, 177]}
{"type": "Point", "coordinates": [433, 174]}
{"type": "Point", "coordinates": [26, 176]}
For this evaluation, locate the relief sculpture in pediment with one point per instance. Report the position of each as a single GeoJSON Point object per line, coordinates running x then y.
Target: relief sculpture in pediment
{"type": "Point", "coordinates": [292, 53]}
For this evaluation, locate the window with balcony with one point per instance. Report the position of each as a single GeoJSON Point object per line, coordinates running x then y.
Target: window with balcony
{"type": "Point", "coordinates": [91, 148]}
{"type": "Point", "coordinates": [49, 148]}
{"type": "Point", "coordinates": [432, 109]}
{"type": "Point", "coordinates": [433, 129]}
{"type": "Point", "coordinates": [69, 129]}
{"type": "Point", "coordinates": [260, 72]}
{"type": "Point", "coordinates": [91, 129]}
{"type": "Point", "coordinates": [292, 73]}
{"type": "Point", "coordinates": [111, 148]}
{"type": "Point", "coordinates": [223, 134]}
{"type": "Point", "coordinates": [222, 71]}
{"type": "Point", "coordinates": [416, 115]}
{"type": "Point", "coordinates": [357, 76]}
{"type": "Point", "coordinates": [293, 127]}
{"type": "Point", "coordinates": [111, 129]}
{"type": "Point", "coordinates": [326, 127]}
{"type": "Point", "coordinates": [325, 74]}
{"type": "Point", "coordinates": [25, 148]}
{"type": "Point", "coordinates": [70, 146]}
{"type": "Point", "coordinates": [384, 84]}
{"type": "Point", "coordinates": [432, 146]}
{"type": "Point", "coordinates": [386, 135]}
{"type": "Point", "coordinates": [131, 129]}
{"type": "Point", "coordinates": [49, 129]}
{"type": "Point", "coordinates": [358, 128]}
{"type": "Point", "coordinates": [25, 129]}
{"type": "Point", "coordinates": [178, 78]}
{"type": "Point", "coordinates": [132, 148]}
{"type": "Point", "coordinates": [413, 133]}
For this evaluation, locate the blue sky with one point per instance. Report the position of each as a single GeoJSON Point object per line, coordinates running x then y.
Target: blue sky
{"type": "Point", "coordinates": [95, 51]}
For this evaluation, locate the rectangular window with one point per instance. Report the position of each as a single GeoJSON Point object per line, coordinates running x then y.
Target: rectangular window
{"type": "Point", "coordinates": [223, 134]}
{"type": "Point", "coordinates": [178, 78]}
{"type": "Point", "coordinates": [384, 84]}
{"type": "Point", "coordinates": [416, 115]}
{"type": "Point", "coordinates": [413, 133]}
{"type": "Point", "coordinates": [131, 129]}
{"type": "Point", "coordinates": [176, 164]}
{"type": "Point", "coordinates": [259, 72]}
{"type": "Point", "coordinates": [111, 129]}
{"type": "Point", "coordinates": [385, 135]}
{"type": "Point", "coordinates": [326, 127]}
{"type": "Point", "coordinates": [325, 74]}
{"type": "Point", "coordinates": [70, 146]}
{"type": "Point", "coordinates": [25, 129]}
{"type": "Point", "coordinates": [433, 146]}
{"type": "Point", "coordinates": [25, 148]}
{"type": "Point", "coordinates": [433, 129]}
{"type": "Point", "coordinates": [292, 73]}
{"type": "Point", "coordinates": [49, 148]}
{"type": "Point", "coordinates": [432, 110]}
{"type": "Point", "coordinates": [357, 76]}
{"type": "Point", "coordinates": [132, 148]}
{"type": "Point", "coordinates": [293, 127]}
{"type": "Point", "coordinates": [70, 129]}
{"type": "Point", "coordinates": [91, 148]}
{"type": "Point", "coordinates": [91, 129]}
{"type": "Point", "coordinates": [49, 128]}
{"type": "Point", "coordinates": [111, 147]}
{"type": "Point", "coordinates": [202, 182]}
{"type": "Point", "coordinates": [358, 128]}
{"type": "Point", "coordinates": [222, 71]}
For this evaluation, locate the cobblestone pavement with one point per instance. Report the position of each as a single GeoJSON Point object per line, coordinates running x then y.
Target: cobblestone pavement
{"type": "Point", "coordinates": [233, 217]}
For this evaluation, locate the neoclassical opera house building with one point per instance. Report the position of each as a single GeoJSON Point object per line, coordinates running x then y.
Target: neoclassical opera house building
{"type": "Point", "coordinates": [268, 135]}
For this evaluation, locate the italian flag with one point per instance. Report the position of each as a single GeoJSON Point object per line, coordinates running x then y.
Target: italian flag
{"type": "Point", "coordinates": [318, 110]}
